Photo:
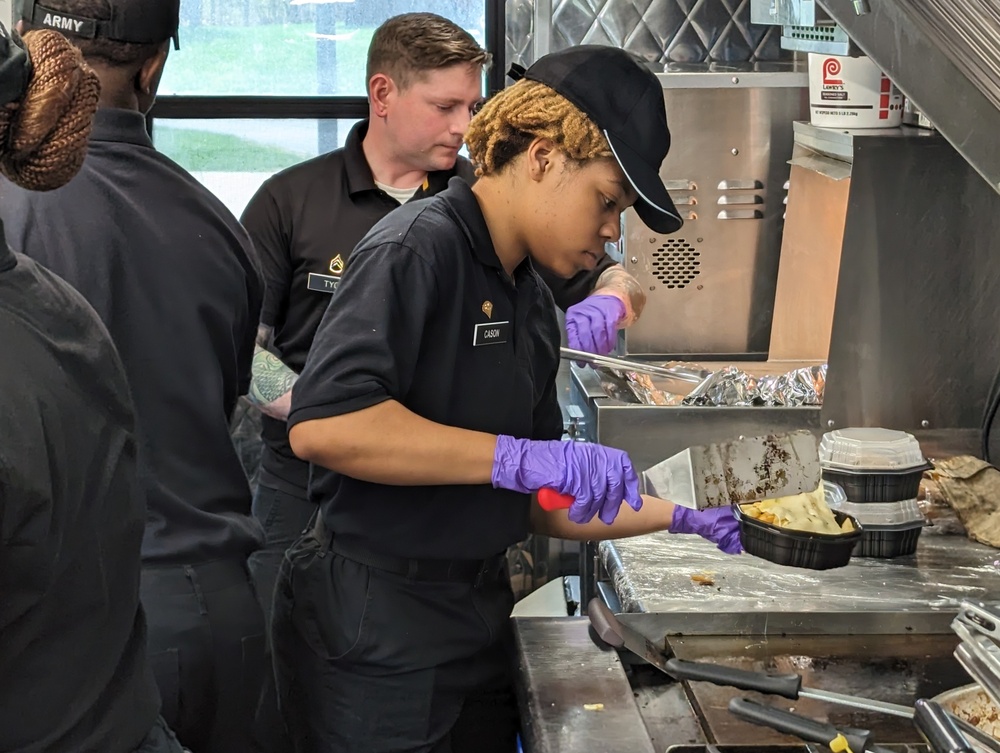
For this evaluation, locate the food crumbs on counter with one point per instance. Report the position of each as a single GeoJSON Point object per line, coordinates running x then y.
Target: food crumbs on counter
{"type": "Point", "coordinates": [703, 579]}
{"type": "Point", "coordinates": [593, 707]}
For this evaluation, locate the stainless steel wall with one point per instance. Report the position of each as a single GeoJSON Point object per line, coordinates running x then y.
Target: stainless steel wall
{"type": "Point", "coordinates": [711, 285]}
{"type": "Point", "coordinates": [916, 342]}
{"type": "Point", "coordinates": [661, 31]}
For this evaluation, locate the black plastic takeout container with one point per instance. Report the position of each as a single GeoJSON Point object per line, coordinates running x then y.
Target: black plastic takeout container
{"type": "Point", "coordinates": [786, 546]}
{"type": "Point", "coordinates": [877, 485]}
{"type": "Point", "coordinates": [886, 542]}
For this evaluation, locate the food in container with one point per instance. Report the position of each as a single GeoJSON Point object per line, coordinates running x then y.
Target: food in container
{"type": "Point", "coordinates": [800, 512]}
{"type": "Point", "coordinates": [971, 703]}
{"type": "Point", "coordinates": [810, 549]}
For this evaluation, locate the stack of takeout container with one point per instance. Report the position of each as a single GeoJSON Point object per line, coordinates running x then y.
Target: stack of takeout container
{"type": "Point", "coordinates": [879, 471]}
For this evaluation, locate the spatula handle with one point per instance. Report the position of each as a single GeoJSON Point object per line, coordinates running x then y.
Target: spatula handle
{"type": "Point", "coordinates": [800, 726]}
{"type": "Point", "coordinates": [605, 623]}
{"type": "Point", "coordinates": [787, 686]}
{"type": "Point", "coordinates": [550, 499]}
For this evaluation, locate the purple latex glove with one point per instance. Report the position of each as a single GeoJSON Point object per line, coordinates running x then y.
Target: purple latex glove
{"type": "Point", "coordinates": [592, 324]}
{"type": "Point", "coordinates": [598, 478]}
{"type": "Point", "coordinates": [717, 524]}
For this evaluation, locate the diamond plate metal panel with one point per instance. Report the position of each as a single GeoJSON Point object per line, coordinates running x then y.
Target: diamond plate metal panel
{"type": "Point", "coordinates": [519, 36]}
{"type": "Point", "coordinates": [661, 31]}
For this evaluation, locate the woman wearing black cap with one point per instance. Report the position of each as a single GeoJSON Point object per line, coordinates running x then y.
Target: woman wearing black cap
{"type": "Point", "coordinates": [73, 670]}
{"type": "Point", "coordinates": [431, 428]}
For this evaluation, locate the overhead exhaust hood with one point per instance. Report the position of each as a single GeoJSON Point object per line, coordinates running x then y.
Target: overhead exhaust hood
{"type": "Point", "coordinates": [944, 55]}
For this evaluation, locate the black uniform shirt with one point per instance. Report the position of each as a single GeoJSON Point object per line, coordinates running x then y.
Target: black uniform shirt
{"type": "Point", "coordinates": [305, 222]}
{"type": "Point", "coordinates": [172, 274]}
{"type": "Point", "coordinates": [73, 672]}
{"type": "Point", "coordinates": [437, 325]}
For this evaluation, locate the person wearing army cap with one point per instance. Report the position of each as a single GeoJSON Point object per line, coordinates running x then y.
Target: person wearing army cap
{"type": "Point", "coordinates": [72, 630]}
{"type": "Point", "coordinates": [174, 278]}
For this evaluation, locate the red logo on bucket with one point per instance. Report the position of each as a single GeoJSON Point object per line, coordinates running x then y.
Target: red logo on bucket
{"type": "Point", "coordinates": [831, 68]}
{"type": "Point", "coordinates": [885, 89]}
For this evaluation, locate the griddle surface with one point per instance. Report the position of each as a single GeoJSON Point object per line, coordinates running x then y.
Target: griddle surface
{"type": "Point", "coordinates": [894, 668]}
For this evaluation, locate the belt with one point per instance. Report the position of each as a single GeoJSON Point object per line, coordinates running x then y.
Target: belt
{"type": "Point", "coordinates": [476, 571]}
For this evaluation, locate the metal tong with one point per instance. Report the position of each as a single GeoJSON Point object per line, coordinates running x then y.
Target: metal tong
{"type": "Point", "coordinates": [978, 653]}
{"type": "Point", "coordinates": [847, 740]}
{"type": "Point", "coordinates": [933, 723]}
{"type": "Point", "coordinates": [669, 372]}
{"type": "Point", "coordinates": [790, 686]}
{"type": "Point", "coordinates": [938, 728]}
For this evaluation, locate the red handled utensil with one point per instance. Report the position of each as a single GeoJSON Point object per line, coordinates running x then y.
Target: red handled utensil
{"type": "Point", "coordinates": [550, 499]}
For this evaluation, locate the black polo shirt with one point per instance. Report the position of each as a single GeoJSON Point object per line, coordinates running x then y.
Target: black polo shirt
{"type": "Point", "coordinates": [437, 325]}
{"type": "Point", "coordinates": [172, 274]}
{"type": "Point", "coordinates": [305, 222]}
{"type": "Point", "coordinates": [73, 673]}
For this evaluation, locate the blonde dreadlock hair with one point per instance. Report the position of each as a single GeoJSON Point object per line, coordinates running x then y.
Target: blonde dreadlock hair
{"type": "Point", "coordinates": [511, 120]}
{"type": "Point", "coordinates": [43, 137]}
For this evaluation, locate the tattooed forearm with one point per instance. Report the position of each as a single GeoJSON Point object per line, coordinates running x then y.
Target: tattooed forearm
{"type": "Point", "coordinates": [271, 385]}
{"type": "Point", "coordinates": [619, 283]}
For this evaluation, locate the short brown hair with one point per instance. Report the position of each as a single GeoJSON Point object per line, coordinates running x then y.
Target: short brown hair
{"type": "Point", "coordinates": [407, 45]}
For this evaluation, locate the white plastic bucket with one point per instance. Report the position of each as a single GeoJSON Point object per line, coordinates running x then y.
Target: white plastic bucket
{"type": "Point", "coordinates": [847, 92]}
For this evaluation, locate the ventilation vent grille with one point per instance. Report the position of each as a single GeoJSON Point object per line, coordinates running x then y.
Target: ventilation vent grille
{"type": "Point", "coordinates": [676, 263]}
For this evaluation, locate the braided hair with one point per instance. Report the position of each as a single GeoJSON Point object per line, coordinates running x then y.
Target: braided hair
{"type": "Point", "coordinates": [512, 119]}
{"type": "Point", "coordinates": [43, 135]}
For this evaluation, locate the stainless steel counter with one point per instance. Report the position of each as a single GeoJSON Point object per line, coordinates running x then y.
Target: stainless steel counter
{"type": "Point", "coordinates": [573, 694]}
{"type": "Point", "coordinates": [652, 576]}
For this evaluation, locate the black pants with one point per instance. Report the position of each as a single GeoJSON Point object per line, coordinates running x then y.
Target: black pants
{"type": "Point", "coordinates": [207, 649]}
{"type": "Point", "coordinates": [373, 662]}
{"type": "Point", "coordinates": [284, 517]}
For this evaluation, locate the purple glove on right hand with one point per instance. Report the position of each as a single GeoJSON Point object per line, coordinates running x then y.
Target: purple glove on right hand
{"type": "Point", "coordinates": [717, 524]}
{"type": "Point", "coordinates": [598, 478]}
{"type": "Point", "coordinates": [592, 324]}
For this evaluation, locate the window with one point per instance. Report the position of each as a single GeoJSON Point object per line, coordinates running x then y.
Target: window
{"type": "Point", "coordinates": [289, 47]}
{"type": "Point", "coordinates": [259, 85]}
{"type": "Point", "coordinates": [233, 157]}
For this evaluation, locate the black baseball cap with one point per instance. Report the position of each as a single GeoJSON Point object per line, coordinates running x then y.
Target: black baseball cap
{"type": "Point", "coordinates": [134, 21]}
{"type": "Point", "coordinates": [625, 100]}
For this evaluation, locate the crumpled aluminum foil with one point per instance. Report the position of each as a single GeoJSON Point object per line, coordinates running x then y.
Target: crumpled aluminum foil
{"type": "Point", "coordinates": [728, 386]}
{"type": "Point", "coordinates": [731, 386]}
